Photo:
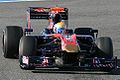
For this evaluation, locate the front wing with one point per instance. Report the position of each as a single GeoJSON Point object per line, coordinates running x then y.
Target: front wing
{"type": "Point", "coordinates": [86, 63]}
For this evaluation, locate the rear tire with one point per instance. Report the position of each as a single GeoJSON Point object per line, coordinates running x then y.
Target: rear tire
{"type": "Point", "coordinates": [104, 47]}
{"type": "Point", "coordinates": [27, 47]}
{"type": "Point", "coordinates": [11, 38]}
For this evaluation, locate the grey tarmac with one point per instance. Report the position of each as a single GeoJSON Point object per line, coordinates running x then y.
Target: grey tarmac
{"type": "Point", "coordinates": [103, 15]}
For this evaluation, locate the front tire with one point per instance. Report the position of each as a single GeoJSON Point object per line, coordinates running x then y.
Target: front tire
{"type": "Point", "coordinates": [11, 38]}
{"type": "Point", "coordinates": [104, 47]}
{"type": "Point", "coordinates": [27, 47]}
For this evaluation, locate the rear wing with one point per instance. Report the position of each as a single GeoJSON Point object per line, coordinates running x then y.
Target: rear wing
{"type": "Point", "coordinates": [44, 13]}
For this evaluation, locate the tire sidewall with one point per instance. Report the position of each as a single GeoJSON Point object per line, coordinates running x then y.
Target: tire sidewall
{"type": "Point", "coordinates": [104, 47]}
{"type": "Point", "coordinates": [11, 37]}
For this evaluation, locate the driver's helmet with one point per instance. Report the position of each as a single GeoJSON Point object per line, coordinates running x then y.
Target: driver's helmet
{"type": "Point", "coordinates": [59, 28]}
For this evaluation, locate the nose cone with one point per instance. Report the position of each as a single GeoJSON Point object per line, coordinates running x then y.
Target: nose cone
{"type": "Point", "coordinates": [71, 48]}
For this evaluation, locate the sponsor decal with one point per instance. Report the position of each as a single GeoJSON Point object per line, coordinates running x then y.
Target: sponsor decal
{"type": "Point", "coordinates": [25, 60]}
{"type": "Point", "coordinates": [42, 10]}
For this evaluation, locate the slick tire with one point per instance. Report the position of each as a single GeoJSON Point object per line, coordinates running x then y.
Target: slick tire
{"type": "Point", "coordinates": [104, 47]}
{"type": "Point", "coordinates": [27, 47]}
{"type": "Point", "coordinates": [11, 38]}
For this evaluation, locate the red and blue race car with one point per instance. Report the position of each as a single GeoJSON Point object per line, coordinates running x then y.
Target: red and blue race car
{"type": "Point", "coordinates": [79, 48]}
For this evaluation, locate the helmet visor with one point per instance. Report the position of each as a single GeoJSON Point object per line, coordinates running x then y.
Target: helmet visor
{"type": "Point", "coordinates": [60, 30]}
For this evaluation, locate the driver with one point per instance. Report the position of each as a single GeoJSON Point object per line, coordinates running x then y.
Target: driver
{"type": "Point", "coordinates": [59, 28]}
{"type": "Point", "coordinates": [68, 42]}
{"type": "Point", "coordinates": [55, 25]}
{"type": "Point", "coordinates": [54, 19]}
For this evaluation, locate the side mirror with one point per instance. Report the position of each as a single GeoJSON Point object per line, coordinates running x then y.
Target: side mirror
{"type": "Point", "coordinates": [95, 32]}
{"type": "Point", "coordinates": [69, 31]}
{"type": "Point", "coordinates": [27, 31]}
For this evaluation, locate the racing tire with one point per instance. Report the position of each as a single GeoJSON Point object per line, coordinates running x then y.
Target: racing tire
{"type": "Point", "coordinates": [11, 38]}
{"type": "Point", "coordinates": [104, 47]}
{"type": "Point", "coordinates": [27, 47]}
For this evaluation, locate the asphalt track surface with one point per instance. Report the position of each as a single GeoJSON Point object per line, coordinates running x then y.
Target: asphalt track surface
{"type": "Point", "coordinates": [103, 15]}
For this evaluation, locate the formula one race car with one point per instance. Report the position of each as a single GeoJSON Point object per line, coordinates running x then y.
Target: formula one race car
{"type": "Point", "coordinates": [43, 50]}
